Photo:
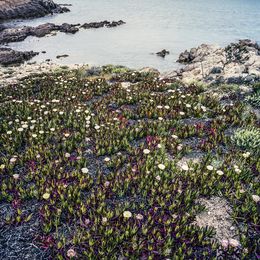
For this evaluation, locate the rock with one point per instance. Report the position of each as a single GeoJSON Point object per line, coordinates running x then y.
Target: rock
{"type": "Point", "coordinates": [17, 34]}
{"type": "Point", "coordinates": [14, 9]}
{"type": "Point", "coordinates": [184, 57]}
{"type": "Point", "coordinates": [96, 25]}
{"type": "Point", "coordinates": [163, 53]}
{"type": "Point", "coordinates": [10, 57]}
{"type": "Point", "coordinates": [62, 56]}
{"type": "Point", "coordinates": [237, 63]}
{"type": "Point", "coordinates": [216, 70]}
{"type": "Point", "coordinates": [149, 70]}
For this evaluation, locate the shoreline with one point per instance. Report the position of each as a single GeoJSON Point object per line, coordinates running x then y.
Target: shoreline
{"type": "Point", "coordinates": [237, 63]}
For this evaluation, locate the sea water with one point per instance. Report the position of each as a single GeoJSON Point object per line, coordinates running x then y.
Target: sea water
{"type": "Point", "coordinates": [151, 25]}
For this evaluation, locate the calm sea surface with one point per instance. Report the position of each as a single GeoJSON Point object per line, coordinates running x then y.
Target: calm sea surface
{"type": "Point", "coordinates": [151, 25]}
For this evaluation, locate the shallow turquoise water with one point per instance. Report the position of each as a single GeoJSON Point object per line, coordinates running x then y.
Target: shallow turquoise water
{"type": "Point", "coordinates": [152, 25]}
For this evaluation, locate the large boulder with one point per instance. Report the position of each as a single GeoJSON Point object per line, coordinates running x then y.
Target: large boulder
{"type": "Point", "coordinates": [14, 9]}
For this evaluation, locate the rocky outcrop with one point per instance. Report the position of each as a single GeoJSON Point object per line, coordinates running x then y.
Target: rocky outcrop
{"type": "Point", "coordinates": [17, 34]}
{"type": "Point", "coordinates": [13, 9]}
{"type": "Point", "coordinates": [237, 63]}
{"type": "Point", "coordinates": [96, 25]}
{"type": "Point", "coordinates": [10, 57]}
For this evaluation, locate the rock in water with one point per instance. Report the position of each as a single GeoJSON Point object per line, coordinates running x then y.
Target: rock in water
{"type": "Point", "coordinates": [96, 25]}
{"type": "Point", "coordinates": [163, 53]}
{"type": "Point", "coordinates": [17, 34]}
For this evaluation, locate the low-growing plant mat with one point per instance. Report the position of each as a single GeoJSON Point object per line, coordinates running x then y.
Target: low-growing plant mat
{"type": "Point", "coordinates": [90, 169]}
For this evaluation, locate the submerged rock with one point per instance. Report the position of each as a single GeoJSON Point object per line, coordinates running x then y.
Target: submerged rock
{"type": "Point", "coordinates": [96, 25]}
{"type": "Point", "coordinates": [9, 56]}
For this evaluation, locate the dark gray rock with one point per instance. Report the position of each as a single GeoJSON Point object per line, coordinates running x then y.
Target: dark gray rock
{"type": "Point", "coordinates": [10, 57]}
{"type": "Point", "coordinates": [216, 70]}
{"type": "Point", "coordinates": [96, 25]}
{"type": "Point", "coordinates": [163, 53]}
{"type": "Point", "coordinates": [17, 34]}
{"type": "Point", "coordinates": [34, 8]}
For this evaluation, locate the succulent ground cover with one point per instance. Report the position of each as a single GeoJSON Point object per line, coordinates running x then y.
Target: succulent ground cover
{"type": "Point", "coordinates": [90, 169]}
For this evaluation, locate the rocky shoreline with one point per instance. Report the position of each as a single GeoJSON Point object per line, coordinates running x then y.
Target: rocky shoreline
{"type": "Point", "coordinates": [237, 63]}
{"type": "Point", "coordinates": [17, 34]}
{"type": "Point", "coordinates": [16, 9]}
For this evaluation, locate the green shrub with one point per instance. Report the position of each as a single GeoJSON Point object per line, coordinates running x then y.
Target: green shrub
{"type": "Point", "coordinates": [254, 99]}
{"type": "Point", "coordinates": [247, 138]}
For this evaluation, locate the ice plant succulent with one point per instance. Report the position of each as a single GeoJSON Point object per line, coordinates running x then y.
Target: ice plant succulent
{"type": "Point", "coordinates": [122, 161]}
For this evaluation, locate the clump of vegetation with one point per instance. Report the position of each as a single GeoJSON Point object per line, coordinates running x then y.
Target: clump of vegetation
{"type": "Point", "coordinates": [254, 98]}
{"type": "Point", "coordinates": [247, 138]}
{"type": "Point", "coordinates": [101, 157]}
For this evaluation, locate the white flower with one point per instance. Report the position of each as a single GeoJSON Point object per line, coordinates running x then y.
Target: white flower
{"type": "Point", "coordinates": [41, 132]}
{"type": "Point", "coordinates": [97, 127]}
{"type": "Point", "coordinates": [107, 159]}
{"type": "Point", "coordinates": [84, 170]}
{"type": "Point", "coordinates": [188, 105]}
{"type": "Point", "coordinates": [237, 170]}
{"type": "Point", "coordinates": [67, 155]}
{"type": "Point", "coordinates": [167, 107]}
{"type": "Point", "coordinates": [182, 113]}
{"type": "Point", "coordinates": [160, 118]}
{"type": "Point", "coordinates": [107, 183]}
{"type": "Point", "coordinates": [161, 166]}
{"type": "Point", "coordinates": [9, 132]}
{"type": "Point", "coordinates": [179, 147]}
{"type": "Point", "coordinates": [146, 151]}
{"type": "Point", "coordinates": [220, 173]}
{"type": "Point", "coordinates": [159, 107]}
{"type": "Point", "coordinates": [234, 242]}
{"type": "Point", "coordinates": [158, 178]}
{"type": "Point", "coordinates": [204, 109]}
{"type": "Point", "coordinates": [210, 167]}
{"type": "Point", "coordinates": [256, 198]}
{"type": "Point", "coordinates": [71, 253]}
{"type": "Point", "coordinates": [52, 129]}
{"type": "Point", "coordinates": [246, 155]}
{"type": "Point", "coordinates": [13, 160]}
{"type": "Point", "coordinates": [174, 136]}
{"type": "Point", "coordinates": [159, 146]}
{"type": "Point", "coordinates": [139, 217]}
{"type": "Point", "coordinates": [224, 243]}
{"type": "Point", "coordinates": [104, 220]}
{"type": "Point", "coordinates": [16, 176]}
{"type": "Point", "coordinates": [127, 214]}
{"type": "Point", "coordinates": [185, 167]}
{"type": "Point", "coordinates": [34, 135]}
{"type": "Point", "coordinates": [20, 129]}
